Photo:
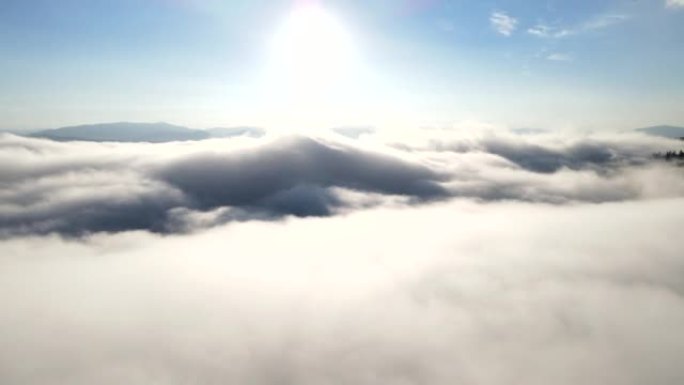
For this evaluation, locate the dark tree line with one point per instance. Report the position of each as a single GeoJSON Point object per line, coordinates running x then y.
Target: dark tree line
{"type": "Point", "coordinates": [670, 155]}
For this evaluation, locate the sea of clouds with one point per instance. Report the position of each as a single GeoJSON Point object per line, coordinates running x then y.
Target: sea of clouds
{"type": "Point", "coordinates": [77, 188]}
{"type": "Point", "coordinates": [442, 258]}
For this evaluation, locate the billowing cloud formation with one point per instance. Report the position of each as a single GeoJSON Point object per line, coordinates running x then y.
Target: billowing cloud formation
{"type": "Point", "coordinates": [84, 187]}
{"type": "Point", "coordinates": [277, 176]}
{"type": "Point", "coordinates": [448, 258]}
{"type": "Point", "coordinates": [457, 292]}
{"type": "Point", "coordinates": [79, 188]}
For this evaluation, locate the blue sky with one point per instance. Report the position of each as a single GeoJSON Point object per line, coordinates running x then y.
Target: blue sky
{"type": "Point", "coordinates": [553, 64]}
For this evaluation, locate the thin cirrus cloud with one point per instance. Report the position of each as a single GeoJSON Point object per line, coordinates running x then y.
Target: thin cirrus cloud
{"type": "Point", "coordinates": [597, 23]}
{"type": "Point", "coordinates": [78, 188]}
{"type": "Point", "coordinates": [675, 4]}
{"type": "Point", "coordinates": [503, 23]}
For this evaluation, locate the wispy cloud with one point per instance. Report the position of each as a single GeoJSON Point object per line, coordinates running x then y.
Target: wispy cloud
{"type": "Point", "coordinates": [674, 3]}
{"type": "Point", "coordinates": [503, 23]}
{"type": "Point", "coordinates": [543, 30]}
{"type": "Point", "coordinates": [604, 21]}
{"type": "Point", "coordinates": [560, 57]}
{"type": "Point", "coordinates": [594, 24]}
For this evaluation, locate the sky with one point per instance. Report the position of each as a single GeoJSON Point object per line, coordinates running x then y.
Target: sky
{"type": "Point", "coordinates": [532, 64]}
{"type": "Point", "coordinates": [408, 192]}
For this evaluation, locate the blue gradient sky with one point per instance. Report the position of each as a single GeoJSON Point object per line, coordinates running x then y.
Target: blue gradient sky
{"type": "Point", "coordinates": [581, 64]}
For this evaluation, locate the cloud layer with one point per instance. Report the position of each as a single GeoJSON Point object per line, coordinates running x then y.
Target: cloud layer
{"type": "Point", "coordinates": [471, 258]}
{"type": "Point", "coordinates": [458, 292]}
{"type": "Point", "coordinates": [79, 188]}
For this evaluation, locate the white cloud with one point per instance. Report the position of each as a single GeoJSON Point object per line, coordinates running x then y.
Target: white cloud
{"type": "Point", "coordinates": [462, 292]}
{"type": "Point", "coordinates": [503, 23]}
{"type": "Point", "coordinates": [519, 274]}
{"type": "Point", "coordinates": [604, 21]}
{"type": "Point", "coordinates": [542, 30]}
{"type": "Point", "coordinates": [594, 24]}
{"type": "Point", "coordinates": [674, 3]}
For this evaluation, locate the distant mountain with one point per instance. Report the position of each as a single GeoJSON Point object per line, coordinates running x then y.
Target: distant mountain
{"type": "Point", "coordinates": [18, 132]}
{"type": "Point", "coordinates": [141, 132]}
{"type": "Point", "coordinates": [124, 132]}
{"type": "Point", "coordinates": [664, 131]}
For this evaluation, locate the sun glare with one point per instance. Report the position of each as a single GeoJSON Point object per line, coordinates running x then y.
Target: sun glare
{"type": "Point", "coordinates": [312, 51]}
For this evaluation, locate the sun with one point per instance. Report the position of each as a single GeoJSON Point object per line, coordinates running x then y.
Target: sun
{"type": "Point", "coordinates": [312, 51]}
